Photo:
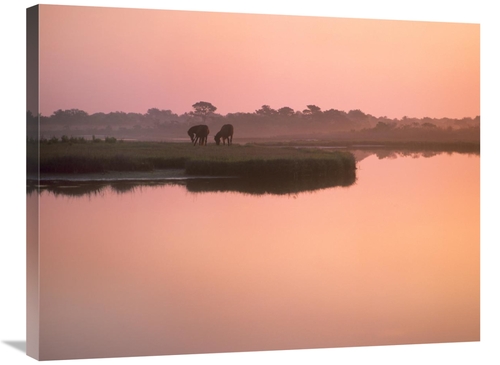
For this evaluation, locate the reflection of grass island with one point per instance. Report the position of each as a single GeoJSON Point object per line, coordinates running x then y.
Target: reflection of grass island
{"type": "Point", "coordinates": [248, 161]}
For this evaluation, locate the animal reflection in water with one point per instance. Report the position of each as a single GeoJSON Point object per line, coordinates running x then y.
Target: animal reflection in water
{"type": "Point", "coordinates": [226, 133]}
{"type": "Point", "coordinates": [199, 133]}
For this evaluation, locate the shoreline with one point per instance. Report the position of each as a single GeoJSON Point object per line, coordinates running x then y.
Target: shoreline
{"type": "Point", "coordinates": [118, 176]}
{"type": "Point", "coordinates": [160, 161]}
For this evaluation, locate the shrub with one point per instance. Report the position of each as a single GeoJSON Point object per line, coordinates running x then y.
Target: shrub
{"type": "Point", "coordinates": [53, 140]}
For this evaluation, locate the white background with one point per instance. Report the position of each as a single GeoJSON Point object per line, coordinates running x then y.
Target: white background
{"type": "Point", "coordinates": [13, 191]}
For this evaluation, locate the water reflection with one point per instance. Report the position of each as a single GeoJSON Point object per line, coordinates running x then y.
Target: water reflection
{"type": "Point", "coordinates": [268, 186]}
{"type": "Point", "coordinates": [259, 186]}
{"type": "Point", "coordinates": [391, 153]}
{"type": "Point", "coordinates": [80, 189]}
{"type": "Point", "coordinates": [157, 270]}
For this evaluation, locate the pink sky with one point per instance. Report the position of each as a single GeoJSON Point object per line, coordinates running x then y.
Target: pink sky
{"type": "Point", "coordinates": [109, 59]}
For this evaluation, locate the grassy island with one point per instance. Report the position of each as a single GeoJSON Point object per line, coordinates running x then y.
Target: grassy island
{"type": "Point", "coordinates": [249, 161]}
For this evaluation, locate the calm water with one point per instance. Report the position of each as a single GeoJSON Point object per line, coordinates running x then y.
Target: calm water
{"type": "Point", "coordinates": [391, 259]}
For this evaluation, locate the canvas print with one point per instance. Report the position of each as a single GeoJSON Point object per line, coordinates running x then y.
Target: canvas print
{"type": "Point", "coordinates": [203, 182]}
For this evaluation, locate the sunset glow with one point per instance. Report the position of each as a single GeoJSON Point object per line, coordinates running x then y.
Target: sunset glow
{"type": "Point", "coordinates": [346, 213]}
{"type": "Point", "coordinates": [104, 60]}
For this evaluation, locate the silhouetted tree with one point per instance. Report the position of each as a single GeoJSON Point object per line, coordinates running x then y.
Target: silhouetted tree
{"type": "Point", "coordinates": [312, 110]}
{"type": "Point", "coordinates": [335, 114]}
{"type": "Point", "coordinates": [157, 114]}
{"type": "Point", "coordinates": [203, 109]}
{"type": "Point", "coordinates": [286, 111]}
{"type": "Point", "coordinates": [266, 110]}
{"type": "Point", "coordinates": [118, 118]}
{"type": "Point", "coordinates": [70, 115]}
{"type": "Point", "coordinates": [356, 114]}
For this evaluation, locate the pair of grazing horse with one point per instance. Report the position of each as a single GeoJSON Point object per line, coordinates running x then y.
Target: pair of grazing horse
{"type": "Point", "coordinates": [199, 134]}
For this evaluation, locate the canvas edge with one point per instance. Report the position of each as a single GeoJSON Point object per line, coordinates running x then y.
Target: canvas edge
{"type": "Point", "coordinates": [32, 200]}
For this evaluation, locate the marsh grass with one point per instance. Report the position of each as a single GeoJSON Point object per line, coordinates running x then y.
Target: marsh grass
{"type": "Point", "coordinates": [251, 161]}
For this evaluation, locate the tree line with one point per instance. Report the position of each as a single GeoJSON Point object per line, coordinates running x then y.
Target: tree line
{"type": "Point", "coordinates": [263, 122]}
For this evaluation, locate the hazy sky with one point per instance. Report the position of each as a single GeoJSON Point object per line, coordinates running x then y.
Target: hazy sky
{"type": "Point", "coordinates": [109, 59]}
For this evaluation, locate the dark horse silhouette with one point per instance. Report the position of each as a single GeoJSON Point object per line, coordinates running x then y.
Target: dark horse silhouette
{"type": "Point", "coordinates": [226, 132]}
{"type": "Point", "coordinates": [199, 133]}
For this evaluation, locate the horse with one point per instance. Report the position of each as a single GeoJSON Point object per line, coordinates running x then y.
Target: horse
{"type": "Point", "coordinates": [199, 133]}
{"type": "Point", "coordinates": [226, 132]}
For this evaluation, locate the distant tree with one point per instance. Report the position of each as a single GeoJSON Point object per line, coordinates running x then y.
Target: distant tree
{"type": "Point", "coordinates": [338, 119]}
{"type": "Point", "coordinates": [118, 118]}
{"type": "Point", "coordinates": [335, 114]}
{"type": "Point", "coordinates": [356, 114]}
{"type": "Point", "coordinates": [382, 126]}
{"type": "Point", "coordinates": [97, 118]}
{"type": "Point", "coordinates": [427, 120]}
{"type": "Point", "coordinates": [286, 111]}
{"type": "Point", "coordinates": [72, 113]}
{"type": "Point", "coordinates": [312, 110]}
{"type": "Point", "coordinates": [158, 118]}
{"type": "Point", "coordinates": [266, 110]}
{"type": "Point", "coordinates": [203, 109]}
{"type": "Point", "coordinates": [157, 114]}
{"type": "Point", "coordinates": [69, 115]}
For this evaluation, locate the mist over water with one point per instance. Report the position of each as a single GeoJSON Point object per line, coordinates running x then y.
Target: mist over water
{"type": "Point", "coordinates": [390, 258]}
